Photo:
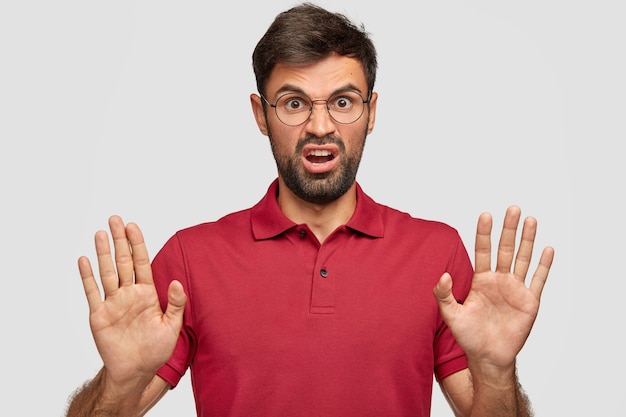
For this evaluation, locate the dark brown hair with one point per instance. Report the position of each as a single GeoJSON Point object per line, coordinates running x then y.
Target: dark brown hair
{"type": "Point", "coordinates": [306, 34]}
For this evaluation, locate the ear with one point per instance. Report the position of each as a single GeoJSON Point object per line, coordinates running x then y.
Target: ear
{"type": "Point", "coordinates": [259, 114]}
{"type": "Point", "coordinates": [372, 115]}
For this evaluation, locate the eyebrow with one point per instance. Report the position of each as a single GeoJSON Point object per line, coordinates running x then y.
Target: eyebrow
{"type": "Point", "coordinates": [290, 88]}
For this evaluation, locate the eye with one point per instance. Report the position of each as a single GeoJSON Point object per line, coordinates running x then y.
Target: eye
{"type": "Point", "coordinates": [294, 104]}
{"type": "Point", "coordinates": [343, 103]}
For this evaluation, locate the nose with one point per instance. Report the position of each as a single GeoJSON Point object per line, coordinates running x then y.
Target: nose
{"type": "Point", "coordinates": [320, 123]}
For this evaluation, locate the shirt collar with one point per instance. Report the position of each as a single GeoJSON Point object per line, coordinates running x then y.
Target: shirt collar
{"type": "Point", "coordinates": [268, 221]}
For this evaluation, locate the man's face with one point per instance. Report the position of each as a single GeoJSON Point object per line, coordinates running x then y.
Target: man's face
{"type": "Point", "coordinates": [318, 159]}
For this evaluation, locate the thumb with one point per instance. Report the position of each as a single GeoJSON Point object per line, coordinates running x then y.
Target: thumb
{"type": "Point", "coordinates": [176, 300]}
{"type": "Point", "coordinates": [443, 293]}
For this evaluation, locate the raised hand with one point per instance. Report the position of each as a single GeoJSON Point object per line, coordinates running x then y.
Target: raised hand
{"type": "Point", "coordinates": [497, 316]}
{"type": "Point", "coordinates": [133, 335]}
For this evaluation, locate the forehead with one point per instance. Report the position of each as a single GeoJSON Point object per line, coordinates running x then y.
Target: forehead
{"type": "Point", "coordinates": [319, 79]}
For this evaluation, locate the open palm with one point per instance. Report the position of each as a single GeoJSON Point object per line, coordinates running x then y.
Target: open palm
{"type": "Point", "coordinates": [133, 335]}
{"type": "Point", "coordinates": [497, 316]}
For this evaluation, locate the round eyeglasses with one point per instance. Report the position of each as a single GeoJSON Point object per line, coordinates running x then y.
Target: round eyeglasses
{"type": "Point", "coordinates": [293, 109]}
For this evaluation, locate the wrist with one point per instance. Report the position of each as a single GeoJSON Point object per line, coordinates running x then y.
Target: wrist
{"type": "Point", "coordinates": [123, 394]}
{"type": "Point", "coordinates": [493, 376]}
{"type": "Point", "coordinates": [102, 396]}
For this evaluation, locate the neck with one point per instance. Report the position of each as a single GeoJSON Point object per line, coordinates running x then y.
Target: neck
{"type": "Point", "coordinates": [322, 219]}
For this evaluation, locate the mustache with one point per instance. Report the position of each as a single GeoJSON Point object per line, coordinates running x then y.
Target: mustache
{"type": "Point", "coordinates": [324, 140]}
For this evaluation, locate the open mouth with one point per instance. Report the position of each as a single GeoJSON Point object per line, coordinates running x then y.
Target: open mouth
{"type": "Point", "coordinates": [319, 156]}
{"type": "Point", "coordinates": [319, 159]}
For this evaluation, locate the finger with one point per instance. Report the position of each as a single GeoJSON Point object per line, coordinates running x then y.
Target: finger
{"type": "Point", "coordinates": [123, 255]}
{"type": "Point", "coordinates": [141, 260]}
{"type": "Point", "coordinates": [106, 268]}
{"type": "Point", "coordinates": [482, 246]}
{"type": "Point", "coordinates": [506, 246]}
{"type": "Point", "coordinates": [90, 286]}
{"type": "Point", "coordinates": [448, 306]}
{"type": "Point", "coordinates": [176, 300]}
{"type": "Point", "coordinates": [541, 274]}
{"type": "Point", "coordinates": [525, 250]}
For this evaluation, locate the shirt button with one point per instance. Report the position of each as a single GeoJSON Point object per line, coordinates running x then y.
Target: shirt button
{"type": "Point", "coordinates": [323, 273]}
{"type": "Point", "coordinates": [302, 233]}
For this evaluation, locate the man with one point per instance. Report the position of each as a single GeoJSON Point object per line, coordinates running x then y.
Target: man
{"type": "Point", "coordinates": [317, 301]}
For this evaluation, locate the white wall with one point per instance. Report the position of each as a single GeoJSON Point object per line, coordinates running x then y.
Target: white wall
{"type": "Point", "coordinates": [140, 108]}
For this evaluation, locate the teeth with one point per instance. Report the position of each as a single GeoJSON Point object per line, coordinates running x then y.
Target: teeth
{"type": "Point", "coordinates": [319, 152]}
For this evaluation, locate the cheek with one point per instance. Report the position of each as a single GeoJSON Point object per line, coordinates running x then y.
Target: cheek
{"type": "Point", "coordinates": [283, 139]}
{"type": "Point", "coordinates": [355, 138]}
{"type": "Point", "coordinates": [282, 135]}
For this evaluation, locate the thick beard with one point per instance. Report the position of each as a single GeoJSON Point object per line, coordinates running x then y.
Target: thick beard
{"type": "Point", "coordinates": [321, 188]}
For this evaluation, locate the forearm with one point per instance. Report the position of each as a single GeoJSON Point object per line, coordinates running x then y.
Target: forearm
{"type": "Point", "coordinates": [500, 395]}
{"type": "Point", "coordinates": [101, 398]}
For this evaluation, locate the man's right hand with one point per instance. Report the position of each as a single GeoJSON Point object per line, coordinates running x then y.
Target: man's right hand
{"type": "Point", "coordinates": [133, 335]}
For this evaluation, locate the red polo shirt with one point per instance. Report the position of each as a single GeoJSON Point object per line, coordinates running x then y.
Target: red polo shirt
{"type": "Point", "coordinates": [278, 325]}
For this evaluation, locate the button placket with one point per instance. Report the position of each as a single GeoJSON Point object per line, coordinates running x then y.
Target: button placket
{"type": "Point", "coordinates": [323, 291]}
